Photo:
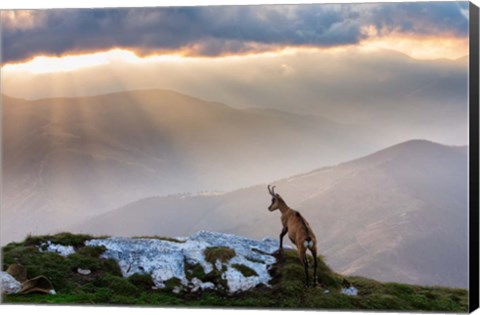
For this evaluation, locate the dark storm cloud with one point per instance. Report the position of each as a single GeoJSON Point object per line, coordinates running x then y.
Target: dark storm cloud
{"type": "Point", "coordinates": [219, 30]}
{"type": "Point", "coordinates": [423, 18]}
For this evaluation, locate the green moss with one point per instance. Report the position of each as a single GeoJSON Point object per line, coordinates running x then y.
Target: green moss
{"type": "Point", "coordinates": [325, 275]}
{"type": "Point", "coordinates": [77, 260]}
{"type": "Point", "coordinates": [197, 271]}
{"type": "Point", "coordinates": [224, 254]}
{"type": "Point", "coordinates": [142, 281]}
{"type": "Point", "coordinates": [66, 239]}
{"type": "Point", "coordinates": [117, 285]}
{"type": "Point", "coordinates": [171, 283]}
{"type": "Point", "coordinates": [245, 270]}
{"type": "Point", "coordinates": [194, 271]}
{"type": "Point", "coordinates": [91, 251]}
{"type": "Point", "coordinates": [398, 289]}
{"type": "Point", "coordinates": [111, 266]}
{"type": "Point", "coordinates": [365, 286]}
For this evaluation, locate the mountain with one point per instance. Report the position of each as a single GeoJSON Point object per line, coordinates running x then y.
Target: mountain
{"type": "Point", "coordinates": [205, 269]}
{"type": "Point", "coordinates": [67, 159]}
{"type": "Point", "coordinates": [399, 214]}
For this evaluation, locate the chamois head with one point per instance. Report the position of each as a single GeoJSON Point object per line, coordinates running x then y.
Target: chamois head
{"type": "Point", "coordinates": [275, 199]}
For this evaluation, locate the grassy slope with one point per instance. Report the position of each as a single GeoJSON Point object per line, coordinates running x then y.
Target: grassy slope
{"type": "Point", "coordinates": [105, 285]}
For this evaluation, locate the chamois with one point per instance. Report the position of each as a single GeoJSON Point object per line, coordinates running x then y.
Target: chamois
{"type": "Point", "coordinates": [299, 232]}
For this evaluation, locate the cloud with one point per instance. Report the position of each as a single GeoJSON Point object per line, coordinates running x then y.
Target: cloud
{"type": "Point", "coordinates": [383, 88]}
{"type": "Point", "coordinates": [447, 18]}
{"type": "Point", "coordinates": [213, 31]}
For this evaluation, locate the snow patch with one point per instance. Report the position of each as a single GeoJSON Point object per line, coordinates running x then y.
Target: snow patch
{"type": "Point", "coordinates": [62, 250]}
{"type": "Point", "coordinates": [352, 291]}
{"type": "Point", "coordinates": [218, 265]}
{"type": "Point", "coordinates": [165, 260]}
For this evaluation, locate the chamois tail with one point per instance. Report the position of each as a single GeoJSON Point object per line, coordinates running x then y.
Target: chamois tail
{"type": "Point", "coordinates": [308, 242]}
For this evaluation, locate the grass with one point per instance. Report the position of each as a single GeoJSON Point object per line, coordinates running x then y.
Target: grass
{"type": "Point", "coordinates": [106, 286]}
{"type": "Point", "coordinates": [66, 239]}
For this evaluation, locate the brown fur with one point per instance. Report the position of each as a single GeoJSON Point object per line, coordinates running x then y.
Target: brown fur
{"type": "Point", "coordinates": [299, 232]}
{"type": "Point", "coordinates": [18, 272]}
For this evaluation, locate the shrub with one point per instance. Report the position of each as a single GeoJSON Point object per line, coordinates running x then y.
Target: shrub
{"type": "Point", "coordinates": [224, 254]}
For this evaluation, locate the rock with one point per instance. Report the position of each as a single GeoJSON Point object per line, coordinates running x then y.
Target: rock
{"type": "Point", "coordinates": [38, 284]}
{"type": "Point", "coordinates": [165, 260]}
{"type": "Point", "coordinates": [10, 284]}
{"type": "Point", "coordinates": [18, 271]}
{"type": "Point", "coordinates": [208, 286]}
{"type": "Point", "coordinates": [84, 272]}
{"type": "Point", "coordinates": [237, 282]}
{"type": "Point", "coordinates": [177, 290]}
{"type": "Point", "coordinates": [198, 284]}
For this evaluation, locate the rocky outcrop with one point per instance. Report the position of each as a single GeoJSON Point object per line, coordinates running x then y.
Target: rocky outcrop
{"type": "Point", "coordinates": [167, 259]}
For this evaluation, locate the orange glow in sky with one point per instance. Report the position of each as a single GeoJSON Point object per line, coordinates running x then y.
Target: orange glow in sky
{"type": "Point", "coordinates": [425, 48]}
{"type": "Point", "coordinates": [44, 64]}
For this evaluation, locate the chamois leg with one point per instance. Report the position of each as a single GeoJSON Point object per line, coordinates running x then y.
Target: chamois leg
{"type": "Point", "coordinates": [303, 258]}
{"type": "Point", "coordinates": [282, 234]}
{"type": "Point", "coordinates": [314, 256]}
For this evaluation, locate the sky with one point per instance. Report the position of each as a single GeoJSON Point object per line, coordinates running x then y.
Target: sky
{"type": "Point", "coordinates": [347, 62]}
{"type": "Point", "coordinates": [235, 30]}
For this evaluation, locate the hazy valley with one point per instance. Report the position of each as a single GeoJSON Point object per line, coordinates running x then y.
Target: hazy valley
{"type": "Point", "coordinates": [398, 214]}
{"type": "Point", "coordinates": [170, 164]}
{"type": "Point", "coordinates": [69, 159]}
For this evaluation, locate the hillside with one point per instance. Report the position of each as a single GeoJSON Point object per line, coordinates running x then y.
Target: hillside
{"type": "Point", "coordinates": [399, 214]}
{"type": "Point", "coordinates": [67, 159]}
{"type": "Point", "coordinates": [216, 270]}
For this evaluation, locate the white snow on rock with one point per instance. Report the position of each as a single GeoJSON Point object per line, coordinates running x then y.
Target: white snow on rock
{"type": "Point", "coordinates": [218, 265]}
{"type": "Point", "coordinates": [84, 272]}
{"type": "Point", "coordinates": [166, 259]}
{"type": "Point", "coordinates": [198, 284]}
{"type": "Point", "coordinates": [9, 284]}
{"type": "Point", "coordinates": [352, 291]}
{"type": "Point", "coordinates": [62, 250]}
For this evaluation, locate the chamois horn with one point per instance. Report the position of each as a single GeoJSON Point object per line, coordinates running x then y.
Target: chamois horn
{"type": "Point", "coordinates": [271, 190]}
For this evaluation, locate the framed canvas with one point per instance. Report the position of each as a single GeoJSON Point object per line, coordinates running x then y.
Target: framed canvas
{"type": "Point", "coordinates": [319, 156]}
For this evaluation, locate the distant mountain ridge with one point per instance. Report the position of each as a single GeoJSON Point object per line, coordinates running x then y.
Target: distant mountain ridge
{"type": "Point", "coordinates": [399, 214]}
{"type": "Point", "coordinates": [66, 159]}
